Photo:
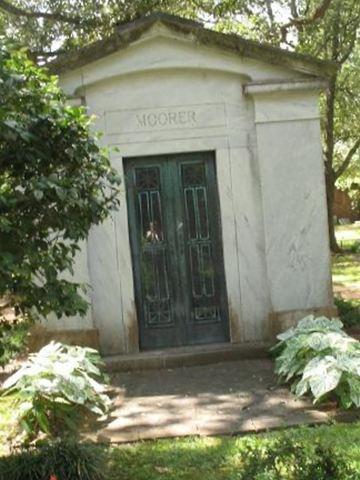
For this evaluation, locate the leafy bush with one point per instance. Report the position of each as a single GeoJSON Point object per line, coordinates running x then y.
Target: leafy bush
{"type": "Point", "coordinates": [56, 388]}
{"type": "Point", "coordinates": [55, 183]}
{"type": "Point", "coordinates": [319, 357]}
{"type": "Point", "coordinates": [354, 247]}
{"type": "Point", "coordinates": [12, 339]}
{"type": "Point", "coordinates": [330, 452]}
{"type": "Point", "coordinates": [349, 311]}
{"type": "Point", "coordinates": [60, 460]}
{"type": "Point", "coordinates": [291, 458]}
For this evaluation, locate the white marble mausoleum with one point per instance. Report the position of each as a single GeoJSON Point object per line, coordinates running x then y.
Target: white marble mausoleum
{"type": "Point", "coordinates": [221, 235]}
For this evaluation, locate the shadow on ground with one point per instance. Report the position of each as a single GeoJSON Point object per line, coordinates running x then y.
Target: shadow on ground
{"type": "Point", "coordinates": [225, 398]}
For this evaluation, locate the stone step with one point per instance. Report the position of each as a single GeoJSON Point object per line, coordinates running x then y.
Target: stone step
{"type": "Point", "coordinates": [186, 356]}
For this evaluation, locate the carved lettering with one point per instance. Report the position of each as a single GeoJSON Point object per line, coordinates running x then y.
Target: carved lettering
{"type": "Point", "coordinates": [172, 118]}
{"type": "Point", "coordinates": [152, 119]}
{"type": "Point", "coordinates": [182, 117]}
{"type": "Point", "coordinates": [163, 119]}
{"type": "Point", "coordinates": [192, 116]}
{"type": "Point", "coordinates": [141, 120]}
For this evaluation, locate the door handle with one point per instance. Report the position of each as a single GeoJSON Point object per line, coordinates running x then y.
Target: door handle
{"type": "Point", "coordinates": [181, 239]}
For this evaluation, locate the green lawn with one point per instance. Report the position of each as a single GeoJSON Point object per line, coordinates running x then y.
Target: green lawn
{"type": "Point", "coordinates": [270, 456]}
{"type": "Point", "coordinates": [346, 274]}
{"type": "Point", "coordinates": [327, 452]}
{"type": "Point", "coordinates": [247, 457]}
{"type": "Point", "coordinates": [346, 270]}
{"type": "Point", "coordinates": [348, 236]}
{"type": "Point", "coordinates": [5, 422]}
{"type": "Point", "coordinates": [346, 265]}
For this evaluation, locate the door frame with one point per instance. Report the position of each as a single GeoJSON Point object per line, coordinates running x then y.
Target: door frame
{"type": "Point", "coordinates": [181, 158]}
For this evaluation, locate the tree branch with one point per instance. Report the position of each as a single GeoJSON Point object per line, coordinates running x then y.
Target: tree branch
{"type": "Point", "coordinates": [270, 12]}
{"type": "Point", "coordinates": [11, 9]}
{"type": "Point", "coordinates": [307, 7]}
{"type": "Point", "coordinates": [348, 159]}
{"type": "Point", "coordinates": [293, 9]}
{"type": "Point", "coordinates": [44, 55]}
{"type": "Point", "coordinates": [299, 22]}
{"type": "Point", "coordinates": [350, 48]}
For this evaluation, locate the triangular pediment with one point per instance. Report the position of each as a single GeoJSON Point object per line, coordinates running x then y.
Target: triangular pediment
{"type": "Point", "coordinates": [168, 27]}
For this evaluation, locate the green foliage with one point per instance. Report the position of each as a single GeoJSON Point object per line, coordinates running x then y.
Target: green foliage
{"type": "Point", "coordinates": [320, 358]}
{"type": "Point", "coordinates": [61, 459]}
{"type": "Point", "coordinates": [346, 271]}
{"type": "Point", "coordinates": [348, 237]}
{"type": "Point", "coordinates": [354, 247]}
{"type": "Point", "coordinates": [12, 339]}
{"type": "Point", "coordinates": [288, 458]}
{"type": "Point", "coordinates": [349, 311]}
{"type": "Point", "coordinates": [55, 182]}
{"type": "Point", "coordinates": [87, 21]}
{"type": "Point", "coordinates": [330, 452]}
{"type": "Point", "coordinates": [325, 29]}
{"type": "Point", "coordinates": [56, 389]}
{"type": "Point", "coordinates": [350, 246]}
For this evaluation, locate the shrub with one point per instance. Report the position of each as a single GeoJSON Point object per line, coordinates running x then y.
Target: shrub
{"type": "Point", "coordinates": [349, 311]}
{"type": "Point", "coordinates": [355, 247]}
{"type": "Point", "coordinates": [56, 388]}
{"type": "Point", "coordinates": [291, 458]}
{"type": "Point", "coordinates": [61, 459]}
{"type": "Point", "coordinates": [319, 357]}
{"type": "Point", "coordinates": [13, 337]}
{"type": "Point", "coordinates": [55, 183]}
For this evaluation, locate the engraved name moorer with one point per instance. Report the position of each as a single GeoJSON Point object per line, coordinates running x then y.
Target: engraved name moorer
{"type": "Point", "coordinates": [163, 119]}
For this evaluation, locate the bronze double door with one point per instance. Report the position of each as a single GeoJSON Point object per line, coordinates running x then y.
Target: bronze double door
{"type": "Point", "coordinates": [176, 246]}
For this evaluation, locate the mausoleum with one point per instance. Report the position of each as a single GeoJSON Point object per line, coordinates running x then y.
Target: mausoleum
{"type": "Point", "coordinates": [221, 235]}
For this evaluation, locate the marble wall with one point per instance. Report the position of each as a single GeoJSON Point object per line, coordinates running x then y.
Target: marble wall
{"type": "Point", "coordinates": [165, 95]}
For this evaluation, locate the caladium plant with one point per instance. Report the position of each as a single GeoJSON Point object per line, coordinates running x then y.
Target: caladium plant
{"type": "Point", "coordinates": [318, 357]}
{"type": "Point", "coordinates": [56, 388]}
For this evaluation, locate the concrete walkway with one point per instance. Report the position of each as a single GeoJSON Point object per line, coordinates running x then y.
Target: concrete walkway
{"type": "Point", "coordinates": [225, 398]}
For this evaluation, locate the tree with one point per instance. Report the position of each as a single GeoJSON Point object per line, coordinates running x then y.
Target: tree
{"type": "Point", "coordinates": [336, 39]}
{"type": "Point", "coordinates": [55, 182]}
{"type": "Point", "coordinates": [328, 29]}
{"type": "Point", "coordinates": [49, 27]}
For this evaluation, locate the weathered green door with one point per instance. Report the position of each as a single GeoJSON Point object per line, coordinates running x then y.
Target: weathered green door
{"type": "Point", "coordinates": [174, 225]}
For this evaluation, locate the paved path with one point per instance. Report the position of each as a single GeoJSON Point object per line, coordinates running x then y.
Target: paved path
{"type": "Point", "coordinates": [224, 398]}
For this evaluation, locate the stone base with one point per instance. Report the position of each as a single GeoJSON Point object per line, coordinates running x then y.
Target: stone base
{"type": "Point", "coordinates": [280, 321]}
{"type": "Point", "coordinates": [40, 336]}
{"type": "Point", "coordinates": [187, 356]}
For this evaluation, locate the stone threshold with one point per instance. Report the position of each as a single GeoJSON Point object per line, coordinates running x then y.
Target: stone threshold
{"type": "Point", "coordinates": [187, 356]}
{"type": "Point", "coordinates": [257, 425]}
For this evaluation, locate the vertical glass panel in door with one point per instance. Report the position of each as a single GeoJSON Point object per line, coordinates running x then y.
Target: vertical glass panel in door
{"type": "Point", "coordinates": [153, 255]}
{"type": "Point", "coordinates": [199, 244]}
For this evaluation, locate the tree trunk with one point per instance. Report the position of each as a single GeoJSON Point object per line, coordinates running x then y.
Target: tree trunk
{"type": "Point", "coordinates": [330, 194]}
{"type": "Point", "coordinates": [329, 157]}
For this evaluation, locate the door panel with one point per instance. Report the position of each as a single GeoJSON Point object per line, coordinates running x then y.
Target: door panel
{"type": "Point", "coordinates": [153, 248]}
{"type": "Point", "coordinates": [206, 319]}
{"type": "Point", "coordinates": [176, 248]}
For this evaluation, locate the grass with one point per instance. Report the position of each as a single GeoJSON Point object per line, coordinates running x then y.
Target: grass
{"type": "Point", "coordinates": [346, 265]}
{"type": "Point", "coordinates": [327, 452]}
{"type": "Point", "coordinates": [5, 421]}
{"type": "Point", "coordinates": [346, 270]}
{"type": "Point", "coordinates": [346, 274]}
{"type": "Point", "coordinates": [348, 236]}
{"type": "Point", "coordinates": [220, 458]}
{"type": "Point", "coordinates": [223, 458]}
